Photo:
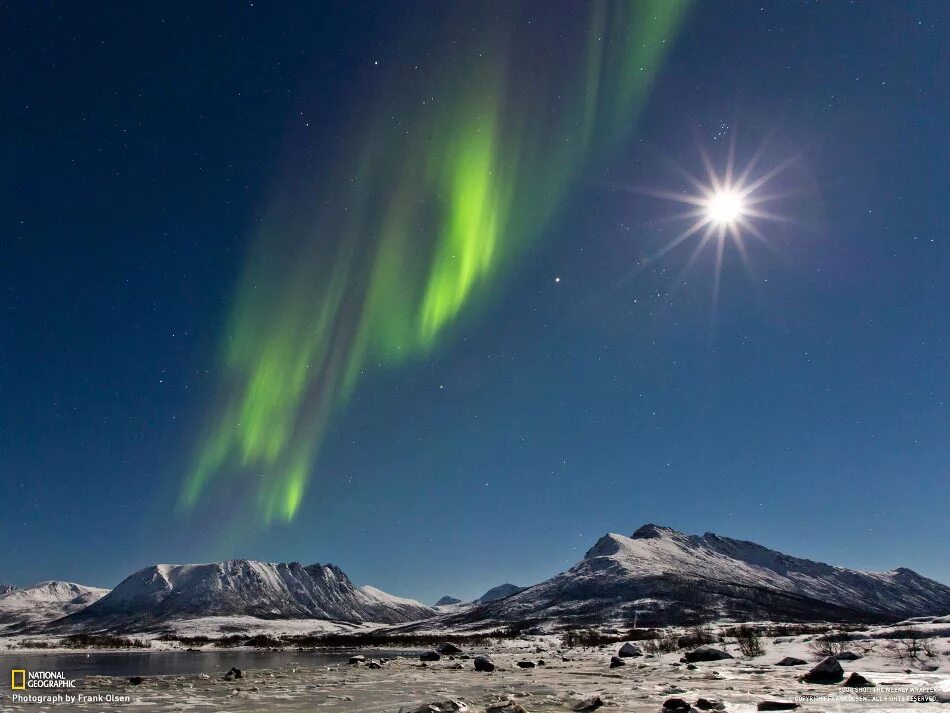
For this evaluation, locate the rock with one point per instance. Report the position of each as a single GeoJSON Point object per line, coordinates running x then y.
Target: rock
{"type": "Point", "coordinates": [456, 666]}
{"type": "Point", "coordinates": [374, 665]}
{"type": "Point", "coordinates": [136, 680]}
{"type": "Point", "coordinates": [233, 673]}
{"type": "Point", "coordinates": [430, 656]}
{"type": "Point", "coordinates": [357, 659]}
{"type": "Point", "coordinates": [828, 671]}
{"type": "Point", "coordinates": [856, 680]}
{"type": "Point", "coordinates": [848, 656]}
{"type": "Point", "coordinates": [691, 667]}
{"type": "Point", "coordinates": [483, 663]}
{"type": "Point", "coordinates": [525, 664]}
{"type": "Point", "coordinates": [447, 706]}
{"type": "Point", "coordinates": [591, 703]}
{"type": "Point", "coordinates": [506, 707]}
{"type": "Point", "coordinates": [942, 696]}
{"type": "Point", "coordinates": [616, 661]}
{"type": "Point", "coordinates": [706, 653]}
{"type": "Point", "coordinates": [447, 648]}
{"type": "Point", "coordinates": [704, 704]}
{"type": "Point", "coordinates": [776, 706]}
{"type": "Point", "coordinates": [541, 662]}
{"type": "Point", "coordinates": [629, 650]}
{"type": "Point", "coordinates": [791, 661]}
{"type": "Point", "coordinates": [676, 704]}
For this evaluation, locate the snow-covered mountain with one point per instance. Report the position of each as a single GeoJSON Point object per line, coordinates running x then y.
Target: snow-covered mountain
{"type": "Point", "coordinates": [166, 592]}
{"type": "Point", "coordinates": [44, 602]}
{"type": "Point", "coordinates": [6, 588]}
{"type": "Point", "coordinates": [447, 601]}
{"type": "Point", "coordinates": [499, 592]}
{"type": "Point", "coordinates": [662, 576]}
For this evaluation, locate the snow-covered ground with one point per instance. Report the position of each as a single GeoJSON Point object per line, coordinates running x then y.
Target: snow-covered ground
{"type": "Point", "coordinates": [567, 677]}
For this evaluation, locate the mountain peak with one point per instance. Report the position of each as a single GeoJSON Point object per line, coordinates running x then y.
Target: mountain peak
{"type": "Point", "coordinates": [447, 601]}
{"type": "Point", "coordinates": [651, 531]}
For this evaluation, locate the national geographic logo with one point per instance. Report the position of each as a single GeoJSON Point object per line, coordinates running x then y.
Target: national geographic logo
{"type": "Point", "coordinates": [21, 679]}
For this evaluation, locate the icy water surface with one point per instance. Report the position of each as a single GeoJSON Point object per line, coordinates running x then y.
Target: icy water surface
{"type": "Point", "coordinates": [163, 663]}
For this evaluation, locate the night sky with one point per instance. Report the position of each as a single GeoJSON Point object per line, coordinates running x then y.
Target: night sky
{"type": "Point", "coordinates": [394, 286]}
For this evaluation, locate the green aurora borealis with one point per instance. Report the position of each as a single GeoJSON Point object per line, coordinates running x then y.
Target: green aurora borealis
{"type": "Point", "coordinates": [450, 174]}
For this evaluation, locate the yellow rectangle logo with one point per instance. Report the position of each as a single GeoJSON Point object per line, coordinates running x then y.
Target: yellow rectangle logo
{"type": "Point", "coordinates": [21, 674]}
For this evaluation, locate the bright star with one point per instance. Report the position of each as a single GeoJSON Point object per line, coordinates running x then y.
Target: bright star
{"type": "Point", "coordinates": [723, 208]}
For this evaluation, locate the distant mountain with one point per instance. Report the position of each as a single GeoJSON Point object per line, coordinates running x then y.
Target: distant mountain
{"type": "Point", "coordinates": [164, 592]}
{"type": "Point", "coordinates": [447, 601]}
{"type": "Point", "coordinates": [499, 592]}
{"type": "Point", "coordinates": [661, 576]}
{"type": "Point", "coordinates": [43, 602]}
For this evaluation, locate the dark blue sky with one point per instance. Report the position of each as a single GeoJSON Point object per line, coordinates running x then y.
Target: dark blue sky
{"type": "Point", "coordinates": [806, 409]}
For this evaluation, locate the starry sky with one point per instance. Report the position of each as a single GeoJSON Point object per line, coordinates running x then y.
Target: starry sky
{"type": "Point", "coordinates": [399, 286]}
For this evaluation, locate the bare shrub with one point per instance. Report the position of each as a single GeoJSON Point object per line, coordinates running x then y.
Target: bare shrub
{"type": "Point", "coordinates": [663, 643]}
{"type": "Point", "coordinates": [827, 645]}
{"type": "Point", "coordinates": [750, 644]}
{"type": "Point", "coordinates": [911, 645]}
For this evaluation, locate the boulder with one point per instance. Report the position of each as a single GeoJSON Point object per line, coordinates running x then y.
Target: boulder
{"type": "Point", "coordinates": [446, 648]}
{"type": "Point", "coordinates": [430, 656]}
{"type": "Point", "coordinates": [706, 653]}
{"type": "Point", "coordinates": [828, 671]}
{"type": "Point", "coordinates": [676, 705]}
{"type": "Point", "coordinates": [525, 664]}
{"type": "Point", "coordinates": [704, 704]}
{"type": "Point", "coordinates": [856, 680]}
{"type": "Point", "coordinates": [374, 665]}
{"type": "Point", "coordinates": [591, 703]}
{"type": "Point", "coordinates": [629, 650]}
{"type": "Point", "coordinates": [791, 661]}
{"type": "Point", "coordinates": [616, 661]}
{"type": "Point", "coordinates": [233, 673]}
{"type": "Point", "coordinates": [483, 663]}
{"type": "Point", "coordinates": [776, 706]}
{"type": "Point", "coordinates": [848, 656]}
{"type": "Point", "coordinates": [136, 680]}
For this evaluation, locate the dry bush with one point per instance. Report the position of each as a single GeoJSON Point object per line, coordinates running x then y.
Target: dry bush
{"type": "Point", "coordinates": [750, 644]}
{"type": "Point", "coordinates": [911, 645]}
{"type": "Point", "coordinates": [664, 643]}
{"type": "Point", "coordinates": [827, 645]}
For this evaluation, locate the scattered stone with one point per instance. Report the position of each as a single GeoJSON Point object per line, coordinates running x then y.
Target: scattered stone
{"type": "Point", "coordinates": [374, 665]}
{"type": "Point", "coordinates": [136, 680]}
{"type": "Point", "coordinates": [676, 704]}
{"type": "Point", "coordinates": [672, 690]}
{"type": "Point", "coordinates": [483, 663]}
{"type": "Point", "coordinates": [447, 648]}
{"type": "Point", "coordinates": [629, 650]}
{"type": "Point", "coordinates": [430, 656]}
{"type": "Point", "coordinates": [357, 659]}
{"type": "Point", "coordinates": [616, 661]}
{"type": "Point", "coordinates": [848, 656]}
{"type": "Point", "coordinates": [828, 671]}
{"type": "Point", "coordinates": [456, 666]}
{"type": "Point", "coordinates": [704, 704]}
{"type": "Point", "coordinates": [541, 662]}
{"type": "Point", "coordinates": [525, 664]}
{"type": "Point", "coordinates": [856, 680]}
{"type": "Point", "coordinates": [706, 653]}
{"type": "Point", "coordinates": [776, 706]}
{"type": "Point", "coordinates": [448, 706]}
{"type": "Point", "coordinates": [506, 707]}
{"type": "Point", "coordinates": [691, 667]}
{"type": "Point", "coordinates": [591, 703]}
{"type": "Point", "coordinates": [791, 661]}
{"type": "Point", "coordinates": [233, 673]}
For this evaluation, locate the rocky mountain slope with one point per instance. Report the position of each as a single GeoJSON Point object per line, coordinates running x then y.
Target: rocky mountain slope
{"type": "Point", "coordinates": [43, 602]}
{"type": "Point", "coordinates": [660, 576]}
{"type": "Point", "coordinates": [499, 592]}
{"type": "Point", "coordinates": [163, 592]}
